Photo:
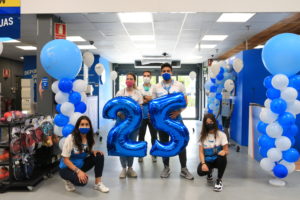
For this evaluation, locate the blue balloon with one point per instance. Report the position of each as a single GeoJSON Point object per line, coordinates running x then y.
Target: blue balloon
{"type": "Point", "coordinates": [213, 88]}
{"type": "Point", "coordinates": [57, 108]}
{"type": "Point", "coordinates": [282, 50]}
{"type": "Point", "coordinates": [291, 155]}
{"type": "Point", "coordinates": [278, 106]}
{"type": "Point", "coordinates": [280, 171]}
{"type": "Point", "coordinates": [160, 109]}
{"type": "Point", "coordinates": [273, 93]}
{"type": "Point", "coordinates": [221, 70]}
{"type": "Point", "coordinates": [286, 119]}
{"type": "Point", "coordinates": [210, 111]}
{"type": "Point", "coordinates": [65, 85]}
{"type": "Point", "coordinates": [67, 130]}
{"type": "Point", "coordinates": [213, 80]}
{"type": "Point", "coordinates": [61, 59]}
{"type": "Point", "coordinates": [266, 142]}
{"type": "Point", "coordinates": [268, 82]}
{"type": "Point", "coordinates": [220, 77]}
{"type": "Point", "coordinates": [75, 98]}
{"type": "Point", "coordinates": [219, 96]}
{"type": "Point", "coordinates": [261, 127]}
{"type": "Point", "coordinates": [61, 120]}
{"type": "Point", "coordinates": [118, 143]}
{"type": "Point", "coordinates": [291, 131]}
{"type": "Point", "coordinates": [295, 82]}
{"type": "Point", "coordinates": [263, 152]}
{"type": "Point", "coordinates": [81, 107]}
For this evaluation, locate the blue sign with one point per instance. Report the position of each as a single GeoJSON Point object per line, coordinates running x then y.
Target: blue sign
{"type": "Point", "coordinates": [45, 83]}
{"type": "Point", "coordinates": [10, 18]}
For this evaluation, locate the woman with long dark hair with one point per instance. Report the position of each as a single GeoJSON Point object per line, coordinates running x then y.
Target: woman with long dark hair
{"type": "Point", "coordinates": [78, 157]}
{"type": "Point", "coordinates": [132, 92]}
{"type": "Point", "coordinates": [212, 151]}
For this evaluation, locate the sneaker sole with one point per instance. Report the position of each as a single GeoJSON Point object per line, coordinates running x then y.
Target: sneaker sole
{"type": "Point", "coordinates": [217, 190]}
{"type": "Point", "coordinates": [183, 176]}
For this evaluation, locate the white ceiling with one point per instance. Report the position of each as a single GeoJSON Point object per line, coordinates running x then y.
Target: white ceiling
{"type": "Point", "coordinates": [175, 33]}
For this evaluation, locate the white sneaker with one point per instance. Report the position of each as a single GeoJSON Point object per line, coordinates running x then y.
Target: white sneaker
{"type": "Point", "coordinates": [218, 185]}
{"type": "Point", "coordinates": [101, 187]}
{"type": "Point", "coordinates": [69, 186]}
{"type": "Point", "coordinates": [123, 173]}
{"type": "Point", "coordinates": [131, 173]}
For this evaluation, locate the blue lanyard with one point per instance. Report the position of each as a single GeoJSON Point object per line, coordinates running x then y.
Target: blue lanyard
{"type": "Point", "coordinates": [167, 88]}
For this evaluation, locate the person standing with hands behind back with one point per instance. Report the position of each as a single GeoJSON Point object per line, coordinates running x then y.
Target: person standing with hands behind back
{"type": "Point", "coordinates": [212, 151]}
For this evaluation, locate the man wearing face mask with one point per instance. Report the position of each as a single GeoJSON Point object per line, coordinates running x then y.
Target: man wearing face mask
{"type": "Point", "coordinates": [146, 91]}
{"type": "Point", "coordinates": [169, 86]}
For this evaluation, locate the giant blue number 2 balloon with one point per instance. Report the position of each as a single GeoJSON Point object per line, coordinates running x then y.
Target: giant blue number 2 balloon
{"type": "Point", "coordinates": [160, 110]}
{"type": "Point", "coordinates": [118, 142]}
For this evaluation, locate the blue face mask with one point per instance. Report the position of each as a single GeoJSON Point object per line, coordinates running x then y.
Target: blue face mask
{"type": "Point", "coordinates": [84, 130]}
{"type": "Point", "coordinates": [166, 76]}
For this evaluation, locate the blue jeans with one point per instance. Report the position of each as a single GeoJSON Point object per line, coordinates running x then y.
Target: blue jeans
{"type": "Point", "coordinates": [127, 161]}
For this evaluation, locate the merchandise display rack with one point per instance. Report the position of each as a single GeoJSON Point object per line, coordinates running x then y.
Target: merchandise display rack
{"type": "Point", "coordinates": [39, 174]}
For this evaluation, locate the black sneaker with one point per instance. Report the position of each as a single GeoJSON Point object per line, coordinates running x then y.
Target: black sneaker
{"type": "Point", "coordinates": [218, 185]}
{"type": "Point", "coordinates": [209, 178]}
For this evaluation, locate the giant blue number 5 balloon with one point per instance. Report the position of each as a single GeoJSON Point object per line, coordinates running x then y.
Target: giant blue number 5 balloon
{"type": "Point", "coordinates": [160, 110]}
{"type": "Point", "coordinates": [118, 143]}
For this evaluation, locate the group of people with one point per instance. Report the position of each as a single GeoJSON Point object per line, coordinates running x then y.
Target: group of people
{"type": "Point", "coordinates": [78, 155]}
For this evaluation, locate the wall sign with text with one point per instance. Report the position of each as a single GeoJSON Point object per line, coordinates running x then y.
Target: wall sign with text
{"type": "Point", "coordinates": [10, 18]}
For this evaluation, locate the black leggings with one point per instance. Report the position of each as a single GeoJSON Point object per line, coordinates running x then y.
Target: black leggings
{"type": "Point", "coordinates": [143, 128]}
{"type": "Point", "coordinates": [220, 163]}
{"type": "Point", "coordinates": [164, 138]}
{"type": "Point", "coordinates": [90, 162]}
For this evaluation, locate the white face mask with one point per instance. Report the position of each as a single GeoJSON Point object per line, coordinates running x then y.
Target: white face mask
{"type": "Point", "coordinates": [146, 80]}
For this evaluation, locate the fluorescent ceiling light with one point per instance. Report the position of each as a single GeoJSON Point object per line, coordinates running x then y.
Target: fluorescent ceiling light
{"type": "Point", "coordinates": [206, 46]}
{"type": "Point", "coordinates": [27, 48]}
{"type": "Point", "coordinates": [76, 38]}
{"type": "Point", "coordinates": [141, 17]}
{"type": "Point", "coordinates": [142, 37]}
{"type": "Point", "coordinates": [214, 37]}
{"type": "Point", "coordinates": [86, 47]}
{"type": "Point", "coordinates": [8, 40]}
{"type": "Point", "coordinates": [145, 46]}
{"type": "Point", "coordinates": [259, 47]}
{"type": "Point", "coordinates": [235, 17]}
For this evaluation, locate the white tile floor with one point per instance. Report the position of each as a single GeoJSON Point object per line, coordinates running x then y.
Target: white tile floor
{"type": "Point", "coordinates": [243, 180]}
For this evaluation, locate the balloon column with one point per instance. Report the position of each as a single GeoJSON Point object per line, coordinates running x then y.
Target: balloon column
{"type": "Point", "coordinates": [62, 60]}
{"type": "Point", "coordinates": [277, 126]}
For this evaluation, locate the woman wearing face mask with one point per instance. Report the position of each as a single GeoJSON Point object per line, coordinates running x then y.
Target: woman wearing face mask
{"type": "Point", "coordinates": [212, 151]}
{"type": "Point", "coordinates": [132, 92]}
{"type": "Point", "coordinates": [78, 157]}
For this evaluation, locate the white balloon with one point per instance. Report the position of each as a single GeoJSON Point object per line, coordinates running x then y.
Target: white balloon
{"type": "Point", "coordinates": [61, 143]}
{"type": "Point", "coordinates": [267, 164]}
{"type": "Point", "coordinates": [61, 97]}
{"type": "Point", "coordinates": [283, 143]}
{"type": "Point", "coordinates": [74, 118]}
{"type": "Point", "coordinates": [193, 75]}
{"type": "Point", "coordinates": [67, 108]}
{"type": "Point", "coordinates": [293, 107]}
{"type": "Point", "coordinates": [210, 73]}
{"type": "Point", "coordinates": [99, 69]}
{"type": "Point", "coordinates": [88, 58]}
{"type": "Point", "coordinates": [274, 154]}
{"type": "Point", "coordinates": [54, 87]}
{"type": "Point", "coordinates": [280, 81]}
{"type": "Point", "coordinates": [290, 166]}
{"type": "Point", "coordinates": [57, 130]}
{"type": "Point", "coordinates": [267, 116]}
{"type": "Point", "coordinates": [238, 65]}
{"type": "Point", "coordinates": [274, 130]}
{"type": "Point", "coordinates": [267, 103]}
{"type": "Point", "coordinates": [289, 94]}
{"type": "Point", "coordinates": [113, 75]}
{"type": "Point", "coordinates": [1, 48]}
{"type": "Point", "coordinates": [229, 85]}
{"type": "Point", "coordinates": [79, 85]}
{"type": "Point", "coordinates": [215, 68]}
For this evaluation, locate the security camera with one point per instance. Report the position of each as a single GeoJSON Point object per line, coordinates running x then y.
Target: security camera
{"type": "Point", "coordinates": [164, 54]}
{"type": "Point", "coordinates": [212, 55]}
{"type": "Point", "coordinates": [91, 42]}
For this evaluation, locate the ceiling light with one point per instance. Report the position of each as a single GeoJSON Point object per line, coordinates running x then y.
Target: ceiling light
{"type": "Point", "coordinates": [206, 46]}
{"type": "Point", "coordinates": [22, 58]}
{"type": "Point", "coordinates": [76, 39]}
{"type": "Point", "coordinates": [145, 46]}
{"type": "Point", "coordinates": [259, 47]}
{"type": "Point", "coordinates": [235, 17]}
{"type": "Point", "coordinates": [27, 48]}
{"type": "Point", "coordinates": [142, 37]}
{"type": "Point", "coordinates": [86, 47]}
{"type": "Point", "coordinates": [8, 40]}
{"type": "Point", "coordinates": [141, 17]}
{"type": "Point", "coordinates": [214, 37]}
